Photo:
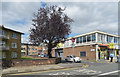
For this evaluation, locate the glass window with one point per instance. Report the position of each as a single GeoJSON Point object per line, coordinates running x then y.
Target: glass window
{"type": "Point", "coordinates": [29, 53]}
{"type": "Point", "coordinates": [88, 38]}
{"type": "Point", "coordinates": [115, 40]}
{"type": "Point", "coordinates": [109, 39]}
{"type": "Point", "coordinates": [29, 49]}
{"type": "Point", "coordinates": [77, 40]}
{"type": "Point", "coordinates": [3, 55]}
{"type": "Point", "coordinates": [2, 32]}
{"type": "Point", "coordinates": [84, 38]}
{"type": "Point", "coordinates": [2, 44]}
{"type": "Point", "coordinates": [14, 54]}
{"type": "Point", "coordinates": [80, 39]}
{"type": "Point", "coordinates": [99, 37]}
{"type": "Point", "coordinates": [32, 52]}
{"type": "Point", "coordinates": [83, 54]}
{"type": "Point", "coordinates": [14, 35]}
{"type": "Point", "coordinates": [93, 37]}
{"type": "Point", "coordinates": [14, 45]}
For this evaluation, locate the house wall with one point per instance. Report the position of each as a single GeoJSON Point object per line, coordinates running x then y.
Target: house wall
{"type": "Point", "coordinates": [91, 55]}
{"type": "Point", "coordinates": [9, 43]}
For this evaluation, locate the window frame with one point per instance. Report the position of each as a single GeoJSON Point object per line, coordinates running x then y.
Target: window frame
{"type": "Point", "coordinates": [14, 55]}
{"type": "Point", "coordinates": [14, 35]}
{"type": "Point", "coordinates": [15, 45]}
{"type": "Point", "coordinates": [82, 52]}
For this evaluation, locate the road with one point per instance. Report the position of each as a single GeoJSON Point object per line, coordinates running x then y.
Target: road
{"type": "Point", "coordinates": [94, 69]}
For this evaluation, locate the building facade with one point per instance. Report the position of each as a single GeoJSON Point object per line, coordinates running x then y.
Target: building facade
{"type": "Point", "coordinates": [10, 43]}
{"type": "Point", "coordinates": [30, 49]}
{"type": "Point", "coordinates": [96, 45]}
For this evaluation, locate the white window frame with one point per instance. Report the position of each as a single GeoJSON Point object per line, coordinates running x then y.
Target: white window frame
{"type": "Point", "coordinates": [14, 54]}
{"type": "Point", "coordinates": [14, 35]}
{"type": "Point", "coordinates": [14, 44]}
{"type": "Point", "coordinates": [3, 55]}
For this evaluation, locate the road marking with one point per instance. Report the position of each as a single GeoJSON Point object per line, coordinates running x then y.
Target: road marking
{"type": "Point", "coordinates": [87, 71]}
{"type": "Point", "coordinates": [60, 73]}
{"type": "Point", "coordinates": [49, 70]}
{"type": "Point", "coordinates": [109, 73]}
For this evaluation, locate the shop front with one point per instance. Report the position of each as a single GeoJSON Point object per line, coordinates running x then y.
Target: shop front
{"type": "Point", "coordinates": [103, 53]}
{"type": "Point", "coordinates": [105, 50]}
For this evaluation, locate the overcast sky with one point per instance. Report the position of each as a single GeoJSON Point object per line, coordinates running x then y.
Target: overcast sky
{"type": "Point", "coordinates": [87, 16]}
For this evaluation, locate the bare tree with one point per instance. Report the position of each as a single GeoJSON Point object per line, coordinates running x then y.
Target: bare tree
{"type": "Point", "coordinates": [51, 26]}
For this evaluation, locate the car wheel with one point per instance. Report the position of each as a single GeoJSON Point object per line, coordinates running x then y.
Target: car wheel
{"type": "Point", "coordinates": [66, 60]}
{"type": "Point", "coordinates": [74, 60]}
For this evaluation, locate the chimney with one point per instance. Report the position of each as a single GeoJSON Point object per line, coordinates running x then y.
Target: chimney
{"type": "Point", "coordinates": [1, 25]}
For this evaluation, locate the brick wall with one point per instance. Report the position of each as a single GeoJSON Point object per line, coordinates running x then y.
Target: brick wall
{"type": "Point", "coordinates": [30, 62]}
{"type": "Point", "coordinates": [91, 55]}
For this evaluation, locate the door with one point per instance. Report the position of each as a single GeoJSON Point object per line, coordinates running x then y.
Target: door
{"type": "Point", "coordinates": [61, 53]}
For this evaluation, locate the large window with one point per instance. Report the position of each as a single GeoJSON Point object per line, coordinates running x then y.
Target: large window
{"type": "Point", "coordinates": [14, 54]}
{"type": "Point", "coordinates": [109, 39]}
{"type": "Point", "coordinates": [77, 40]}
{"type": "Point", "coordinates": [115, 40]}
{"type": "Point", "coordinates": [93, 37]}
{"type": "Point", "coordinates": [99, 37]}
{"type": "Point", "coordinates": [80, 39]}
{"type": "Point", "coordinates": [88, 38]}
{"type": "Point", "coordinates": [14, 45]}
{"type": "Point", "coordinates": [83, 54]}
{"type": "Point", "coordinates": [14, 35]}
{"type": "Point", "coordinates": [84, 38]}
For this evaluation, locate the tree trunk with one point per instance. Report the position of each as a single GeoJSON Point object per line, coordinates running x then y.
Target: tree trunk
{"type": "Point", "coordinates": [49, 50]}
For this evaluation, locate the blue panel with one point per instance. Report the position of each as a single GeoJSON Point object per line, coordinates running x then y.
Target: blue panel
{"type": "Point", "coordinates": [55, 53]}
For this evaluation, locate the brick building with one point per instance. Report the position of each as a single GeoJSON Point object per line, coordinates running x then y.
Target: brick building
{"type": "Point", "coordinates": [30, 49]}
{"type": "Point", "coordinates": [10, 43]}
{"type": "Point", "coordinates": [96, 45]}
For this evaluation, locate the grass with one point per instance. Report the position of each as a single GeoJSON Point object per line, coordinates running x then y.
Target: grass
{"type": "Point", "coordinates": [26, 58]}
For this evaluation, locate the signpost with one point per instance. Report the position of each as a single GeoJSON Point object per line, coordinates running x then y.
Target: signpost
{"type": "Point", "coordinates": [73, 45]}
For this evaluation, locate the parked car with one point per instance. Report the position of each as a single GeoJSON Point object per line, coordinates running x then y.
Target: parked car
{"type": "Point", "coordinates": [42, 55]}
{"type": "Point", "coordinates": [72, 58]}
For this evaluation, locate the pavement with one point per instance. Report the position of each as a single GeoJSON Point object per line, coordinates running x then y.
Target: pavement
{"type": "Point", "coordinates": [94, 70]}
{"type": "Point", "coordinates": [23, 69]}
{"type": "Point", "coordinates": [54, 67]}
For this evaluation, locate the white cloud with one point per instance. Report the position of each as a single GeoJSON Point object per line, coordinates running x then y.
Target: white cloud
{"type": "Point", "coordinates": [87, 16]}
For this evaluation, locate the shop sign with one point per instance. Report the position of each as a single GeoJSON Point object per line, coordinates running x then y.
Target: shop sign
{"type": "Point", "coordinates": [103, 44]}
{"type": "Point", "coordinates": [111, 45]}
{"type": "Point", "coordinates": [73, 39]}
{"type": "Point", "coordinates": [92, 50]}
{"type": "Point", "coordinates": [60, 45]}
